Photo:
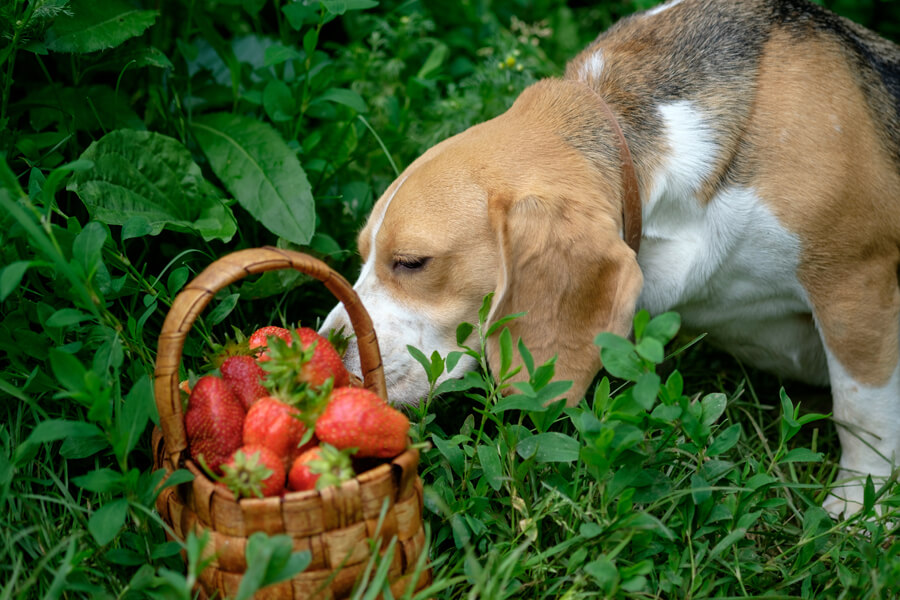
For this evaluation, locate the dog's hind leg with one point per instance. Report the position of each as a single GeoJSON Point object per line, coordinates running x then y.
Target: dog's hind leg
{"type": "Point", "coordinates": [858, 314]}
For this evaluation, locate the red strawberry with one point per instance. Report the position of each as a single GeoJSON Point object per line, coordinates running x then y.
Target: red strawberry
{"type": "Point", "coordinates": [244, 376]}
{"type": "Point", "coordinates": [254, 471]}
{"type": "Point", "coordinates": [214, 422]}
{"type": "Point", "coordinates": [357, 417]}
{"type": "Point", "coordinates": [277, 426]}
{"type": "Point", "coordinates": [260, 338]}
{"type": "Point", "coordinates": [325, 362]}
{"type": "Point", "coordinates": [319, 467]}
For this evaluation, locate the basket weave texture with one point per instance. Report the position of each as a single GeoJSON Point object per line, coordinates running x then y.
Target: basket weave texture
{"type": "Point", "coordinates": [336, 525]}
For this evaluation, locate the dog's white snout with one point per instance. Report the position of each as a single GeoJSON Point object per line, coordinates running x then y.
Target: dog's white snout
{"type": "Point", "coordinates": [338, 320]}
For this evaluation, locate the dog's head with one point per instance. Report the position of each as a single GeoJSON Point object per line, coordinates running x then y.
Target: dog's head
{"type": "Point", "coordinates": [528, 206]}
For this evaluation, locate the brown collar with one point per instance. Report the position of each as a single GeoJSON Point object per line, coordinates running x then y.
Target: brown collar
{"type": "Point", "coordinates": [632, 208]}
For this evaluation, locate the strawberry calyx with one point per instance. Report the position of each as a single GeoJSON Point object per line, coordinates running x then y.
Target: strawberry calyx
{"type": "Point", "coordinates": [333, 466]}
{"type": "Point", "coordinates": [286, 360]}
{"type": "Point", "coordinates": [246, 474]}
{"type": "Point", "coordinates": [339, 340]}
{"type": "Point", "coordinates": [236, 345]}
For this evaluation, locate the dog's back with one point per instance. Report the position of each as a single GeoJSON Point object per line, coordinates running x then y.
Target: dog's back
{"type": "Point", "coordinates": [711, 52]}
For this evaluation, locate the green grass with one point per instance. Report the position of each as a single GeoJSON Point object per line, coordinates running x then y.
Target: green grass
{"type": "Point", "coordinates": [689, 477]}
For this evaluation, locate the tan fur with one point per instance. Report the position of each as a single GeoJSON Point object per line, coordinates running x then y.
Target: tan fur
{"type": "Point", "coordinates": [523, 224]}
{"type": "Point", "coordinates": [839, 195]}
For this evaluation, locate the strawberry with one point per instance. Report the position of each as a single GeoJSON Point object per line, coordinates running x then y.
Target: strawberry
{"type": "Point", "coordinates": [308, 360]}
{"type": "Point", "coordinates": [319, 467]}
{"type": "Point", "coordinates": [260, 339]}
{"type": "Point", "coordinates": [325, 362]}
{"type": "Point", "coordinates": [275, 424]}
{"type": "Point", "coordinates": [254, 471]}
{"type": "Point", "coordinates": [357, 417]}
{"type": "Point", "coordinates": [214, 422]}
{"type": "Point", "coordinates": [244, 376]}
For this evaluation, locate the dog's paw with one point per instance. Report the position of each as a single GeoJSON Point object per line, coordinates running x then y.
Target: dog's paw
{"type": "Point", "coordinates": [844, 502]}
{"type": "Point", "coordinates": [847, 496]}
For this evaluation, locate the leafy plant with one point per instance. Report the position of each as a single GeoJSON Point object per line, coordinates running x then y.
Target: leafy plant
{"type": "Point", "coordinates": [139, 141]}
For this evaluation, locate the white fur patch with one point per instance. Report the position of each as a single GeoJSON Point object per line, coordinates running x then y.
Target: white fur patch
{"type": "Point", "coordinates": [868, 420]}
{"type": "Point", "coordinates": [866, 415]}
{"type": "Point", "coordinates": [728, 266]}
{"type": "Point", "coordinates": [592, 67]}
{"type": "Point", "coordinates": [396, 325]}
{"type": "Point", "coordinates": [662, 7]}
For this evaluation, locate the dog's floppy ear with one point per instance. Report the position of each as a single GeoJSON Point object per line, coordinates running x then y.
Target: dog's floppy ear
{"type": "Point", "coordinates": [565, 265]}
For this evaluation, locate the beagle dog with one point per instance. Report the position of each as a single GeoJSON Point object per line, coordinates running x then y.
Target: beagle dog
{"type": "Point", "coordinates": [737, 161]}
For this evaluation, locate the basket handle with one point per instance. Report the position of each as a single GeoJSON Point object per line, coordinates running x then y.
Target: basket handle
{"type": "Point", "coordinates": [197, 294]}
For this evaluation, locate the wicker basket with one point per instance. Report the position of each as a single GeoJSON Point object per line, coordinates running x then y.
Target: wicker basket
{"type": "Point", "coordinates": [335, 524]}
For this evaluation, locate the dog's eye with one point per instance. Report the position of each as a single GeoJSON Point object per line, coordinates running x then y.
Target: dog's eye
{"type": "Point", "coordinates": [410, 263]}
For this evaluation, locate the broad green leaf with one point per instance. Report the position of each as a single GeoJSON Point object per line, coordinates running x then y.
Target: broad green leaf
{"type": "Point", "coordinates": [51, 431]}
{"type": "Point", "coordinates": [177, 477]}
{"type": "Point", "coordinates": [262, 173]}
{"type": "Point", "coordinates": [646, 390]}
{"type": "Point", "coordinates": [728, 541]}
{"type": "Point", "coordinates": [604, 573]}
{"type": "Point", "coordinates": [435, 59]}
{"type": "Point", "coordinates": [278, 100]}
{"type": "Point", "coordinates": [590, 530]}
{"type": "Point", "coordinates": [345, 97]}
{"type": "Point", "coordinates": [451, 452]}
{"type": "Point", "coordinates": [149, 175]}
{"type": "Point", "coordinates": [56, 177]}
{"type": "Point", "coordinates": [88, 246]}
{"type": "Point", "coordinates": [527, 402]}
{"type": "Point", "coordinates": [496, 325]}
{"type": "Point", "coordinates": [270, 559]}
{"type": "Point", "coordinates": [279, 53]}
{"type": "Point", "coordinates": [106, 522]}
{"type": "Point", "coordinates": [471, 380]}
{"type": "Point", "coordinates": [136, 227]}
{"type": "Point", "coordinates": [177, 279]}
{"type": "Point", "coordinates": [490, 464]}
{"type": "Point", "coordinates": [802, 455]}
{"type": "Point", "coordinates": [641, 318]}
{"type": "Point", "coordinates": [134, 413]}
{"type": "Point", "coordinates": [528, 361]}
{"type": "Point", "coordinates": [651, 349]}
{"type": "Point", "coordinates": [663, 327]}
{"type": "Point", "coordinates": [620, 360]}
{"type": "Point", "coordinates": [725, 441]}
{"type": "Point", "coordinates": [463, 331]}
{"type": "Point", "coordinates": [869, 494]}
{"type": "Point", "coordinates": [299, 14]}
{"type": "Point", "coordinates": [700, 491]}
{"type": "Point", "coordinates": [483, 312]}
{"type": "Point", "coordinates": [10, 277]}
{"type": "Point", "coordinates": [506, 352]}
{"type": "Point", "coordinates": [339, 7]}
{"type": "Point", "coordinates": [100, 481]}
{"type": "Point", "coordinates": [614, 343]}
{"type": "Point", "coordinates": [420, 358]}
{"type": "Point", "coordinates": [97, 25]}
{"type": "Point", "coordinates": [713, 407]}
{"type": "Point", "coordinates": [83, 447]}
{"type": "Point", "coordinates": [549, 447]}
{"type": "Point", "coordinates": [222, 309]}
{"type": "Point", "coordinates": [666, 413]}
{"type": "Point", "coordinates": [66, 317]}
